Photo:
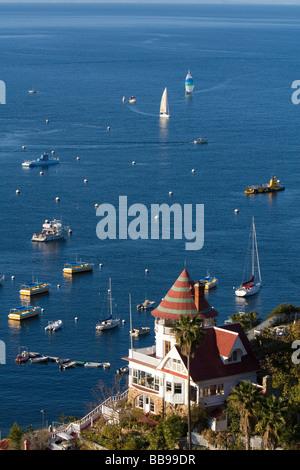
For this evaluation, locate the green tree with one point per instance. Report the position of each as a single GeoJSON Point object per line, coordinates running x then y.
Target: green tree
{"type": "Point", "coordinates": [247, 320]}
{"type": "Point", "coordinates": [271, 418]}
{"type": "Point", "coordinates": [245, 399]}
{"type": "Point", "coordinates": [15, 436]}
{"type": "Point", "coordinates": [188, 334]}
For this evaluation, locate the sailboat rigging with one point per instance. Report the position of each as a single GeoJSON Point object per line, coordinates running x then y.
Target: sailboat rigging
{"type": "Point", "coordinates": [164, 105]}
{"type": "Point", "coordinates": [109, 322]}
{"type": "Point", "coordinates": [251, 287]}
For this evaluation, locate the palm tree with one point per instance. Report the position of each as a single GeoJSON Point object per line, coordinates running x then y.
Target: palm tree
{"type": "Point", "coordinates": [188, 335]}
{"type": "Point", "coordinates": [271, 417]}
{"type": "Point", "coordinates": [245, 399]}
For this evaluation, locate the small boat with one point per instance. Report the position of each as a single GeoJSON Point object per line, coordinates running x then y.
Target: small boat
{"type": "Point", "coordinates": [141, 331]}
{"type": "Point", "coordinates": [54, 325]}
{"type": "Point", "coordinates": [62, 361]}
{"type": "Point", "coordinates": [68, 365]}
{"type": "Point", "coordinates": [200, 140]}
{"type": "Point", "coordinates": [109, 322]}
{"type": "Point", "coordinates": [39, 360]}
{"type": "Point", "coordinates": [77, 267]}
{"type": "Point", "coordinates": [209, 281]}
{"type": "Point", "coordinates": [23, 355]}
{"type": "Point", "coordinates": [164, 105]}
{"type": "Point", "coordinates": [33, 90]}
{"type": "Point", "coordinates": [21, 313]}
{"type": "Point", "coordinates": [132, 99]}
{"type": "Point", "coordinates": [43, 160]}
{"type": "Point", "coordinates": [51, 231]}
{"type": "Point", "coordinates": [271, 187]}
{"type": "Point", "coordinates": [106, 365]}
{"type": "Point", "coordinates": [251, 287]}
{"type": "Point", "coordinates": [146, 305]}
{"type": "Point", "coordinates": [2, 277]}
{"type": "Point", "coordinates": [94, 365]}
{"type": "Point", "coordinates": [189, 84]}
{"type": "Point", "coordinates": [123, 370]}
{"type": "Point", "coordinates": [34, 288]}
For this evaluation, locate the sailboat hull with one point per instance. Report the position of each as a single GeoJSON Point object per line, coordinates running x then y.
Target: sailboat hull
{"type": "Point", "coordinates": [247, 291]}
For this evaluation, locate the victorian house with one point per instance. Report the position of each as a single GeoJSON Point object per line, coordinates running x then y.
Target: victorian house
{"type": "Point", "coordinates": [158, 374]}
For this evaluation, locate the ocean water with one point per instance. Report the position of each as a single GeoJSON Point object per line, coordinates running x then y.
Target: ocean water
{"type": "Point", "coordinates": [84, 59]}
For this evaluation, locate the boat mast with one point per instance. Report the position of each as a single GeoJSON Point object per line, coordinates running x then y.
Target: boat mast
{"type": "Point", "coordinates": [257, 258]}
{"type": "Point", "coordinates": [253, 232]}
{"type": "Point", "coordinates": [110, 299]}
{"type": "Point", "coordinates": [131, 344]}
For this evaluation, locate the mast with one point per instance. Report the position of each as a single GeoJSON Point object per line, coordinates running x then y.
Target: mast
{"type": "Point", "coordinates": [256, 249]}
{"type": "Point", "coordinates": [110, 299]}
{"type": "Point", "coordinates": [131, 344]}
{"type": "Point", "coordinates": [253, 236]}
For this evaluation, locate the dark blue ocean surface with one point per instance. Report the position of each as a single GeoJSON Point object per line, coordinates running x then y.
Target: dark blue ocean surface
{"type": "Point", "coordinates": [83, 59]}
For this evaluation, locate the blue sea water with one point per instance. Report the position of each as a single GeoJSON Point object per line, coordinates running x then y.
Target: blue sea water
{"type": "Point", "coordinates": [84, 59]}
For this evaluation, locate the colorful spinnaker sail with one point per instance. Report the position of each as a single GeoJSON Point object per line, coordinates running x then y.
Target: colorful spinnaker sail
{"type": "Point", "coordinates": [189, 84]}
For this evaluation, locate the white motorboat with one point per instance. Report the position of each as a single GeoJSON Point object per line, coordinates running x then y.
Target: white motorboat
{"type": "Point", "coordinates": [54, 325]}
{"type": "Point", "coordinates": [132, 99]}
{"type": "Point", "coordinates": [51, 231]}
{"type": "Point", "coordinates": [146, 305]}
{"type": "Point", "coordinates": [200, 140]}
{"type": "Point", "coordinates": [109, 322]}
{"type": "Point", "coordinates": [251, 287]}
{"type": "Point", "coordinates": [93, 365]}
{"type": "Point", "coordinates": [140, 331]}
{"type": "Point", "coordinates": [164, 105]}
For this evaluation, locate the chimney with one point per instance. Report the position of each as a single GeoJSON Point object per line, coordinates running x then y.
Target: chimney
{"type": "Point", "coordinates": [199, 295]}
{"type": "Point", "coordinates": [26, 445]}
{"type": "Point", "coordinates": [267, 385]}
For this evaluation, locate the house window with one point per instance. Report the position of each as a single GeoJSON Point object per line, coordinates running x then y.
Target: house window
{"type": "Point", "coordinates": [168, 387]}
{"type": "Point", "coordinates": [212, 390]}
{"type": "Point", "coordinates": [145, 403]}
{"type": "Point", "coordinates": [145, 379]}
{"type": "Point", "coordinates": [167, 347]}
{"type": "Point", "coordinates": [234, 357]}
{"type": "Point", "coordinates": [177, 388]}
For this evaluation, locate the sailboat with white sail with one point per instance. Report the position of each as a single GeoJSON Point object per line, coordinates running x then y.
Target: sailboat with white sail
{"type": "Point", "coordinates": [189, 84]}
{"type": "Point", "coordinates": [164, 105]}
{"type": "Point", "coordinates": [109, 322]}
{"type": "Point", "coordinates": [251, 286]}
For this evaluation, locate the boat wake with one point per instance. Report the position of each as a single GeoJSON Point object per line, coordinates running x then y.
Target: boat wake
{"type": "Point", "coordinates": [216, 87]}
{"type": "Point", "coordinates": [135, 110]}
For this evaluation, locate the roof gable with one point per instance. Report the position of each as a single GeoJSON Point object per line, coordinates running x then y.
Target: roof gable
{"type": "Point", "coordinates": [207, 362]}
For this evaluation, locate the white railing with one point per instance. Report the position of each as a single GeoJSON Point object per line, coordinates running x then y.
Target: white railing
{"type": "Point", "coordinates": [88, 419]}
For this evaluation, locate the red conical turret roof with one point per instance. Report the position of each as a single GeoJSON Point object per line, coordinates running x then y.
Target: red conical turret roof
{"type": "Point", "coordinates": [179, 300]}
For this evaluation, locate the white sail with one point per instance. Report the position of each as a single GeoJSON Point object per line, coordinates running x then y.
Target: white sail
{"type": "Point", "coordinates": [251, 286]}
{"type": "Point", "coordinates": [164, 106]}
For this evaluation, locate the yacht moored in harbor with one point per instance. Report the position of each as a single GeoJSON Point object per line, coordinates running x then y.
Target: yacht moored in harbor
{"type": "Point", "coordinates": [77, 267]}
{"type": "Point", "coordinates": [21, 313]}
{"type": "Point", "coordinates": [51, 231]}
{"type": "Point", "coordinates": [33, 288]}
{"type": "Point", "coordinates": [43, 160]}
{"type": "Point", "coordinates": [109, 322]}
